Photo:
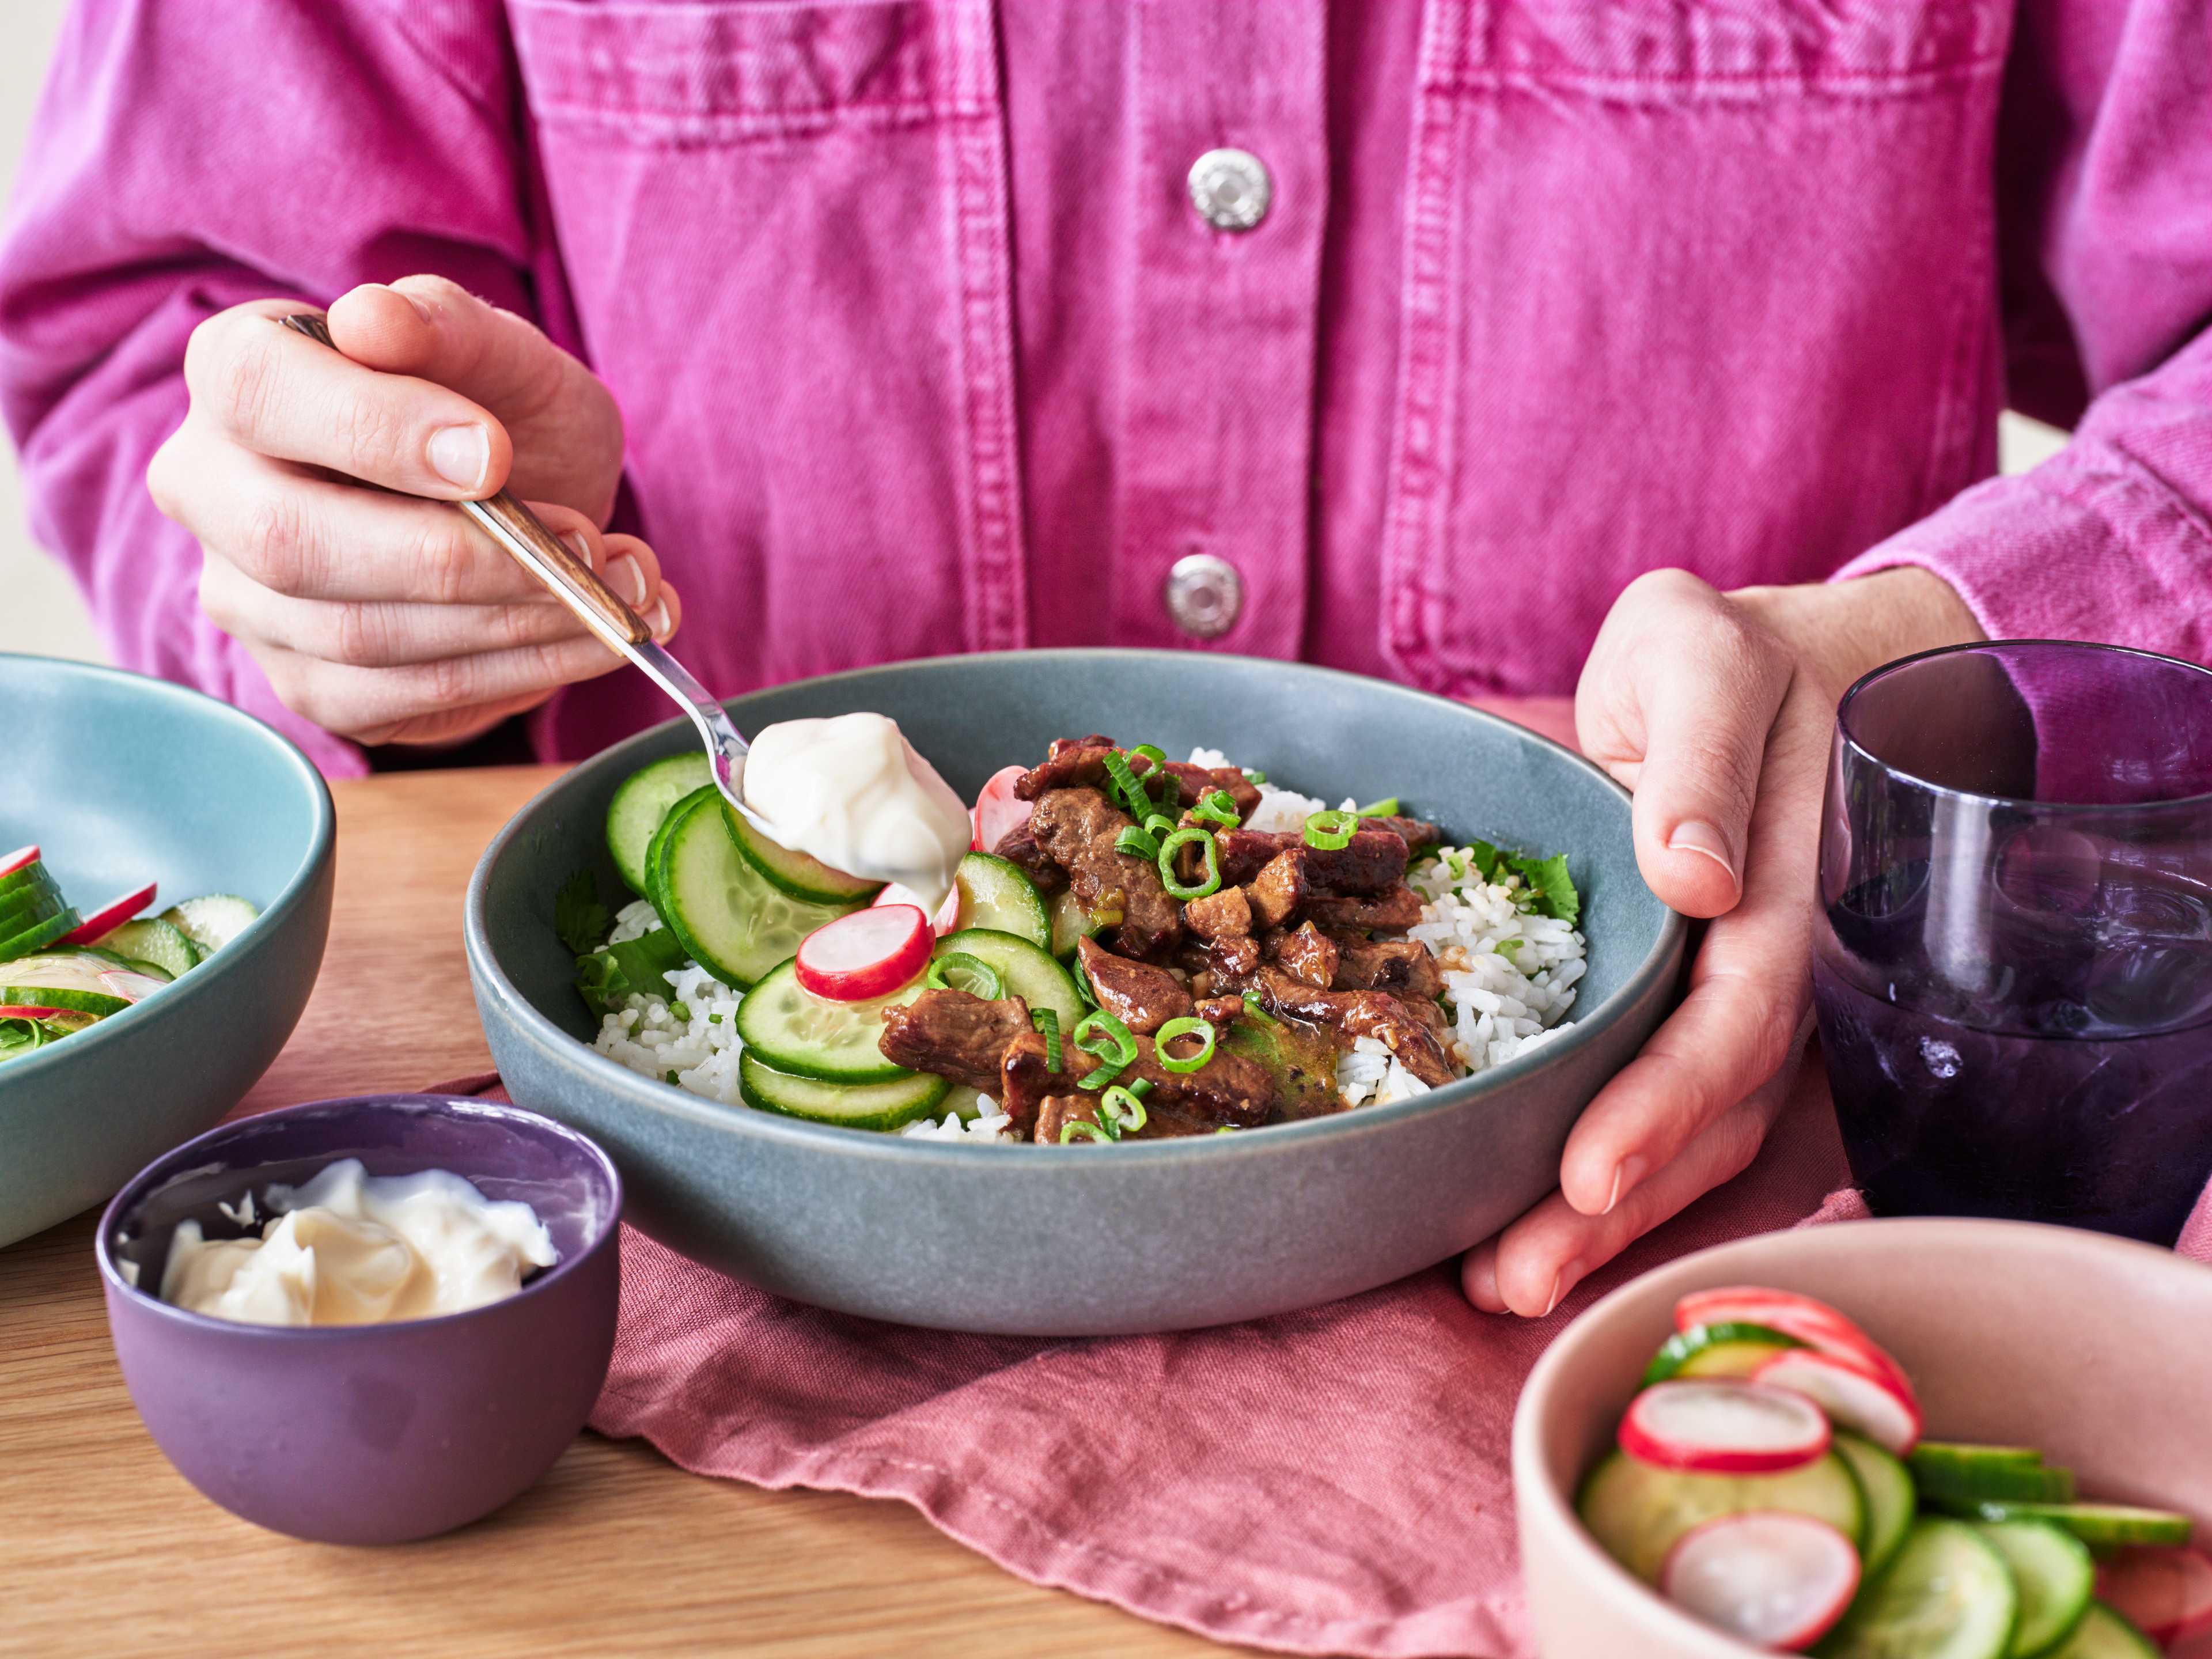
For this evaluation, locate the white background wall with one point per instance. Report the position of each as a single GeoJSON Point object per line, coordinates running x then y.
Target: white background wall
{"type": "Point", "coordinates": [39, 609]}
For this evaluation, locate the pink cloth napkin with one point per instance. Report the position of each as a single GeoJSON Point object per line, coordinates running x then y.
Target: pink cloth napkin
{"type": "Point", "coordinates": [1330, 1481]}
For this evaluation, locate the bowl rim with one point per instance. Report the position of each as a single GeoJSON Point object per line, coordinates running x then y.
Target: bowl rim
{"type": "Point", "coordinates": [1538, 1495]}
{"type": "Point", "coordinates": [492, 983]}
{"type": "Point", "coordinates": [274, 915]}
{"type": "Point", "coordinates": [179, 1160]}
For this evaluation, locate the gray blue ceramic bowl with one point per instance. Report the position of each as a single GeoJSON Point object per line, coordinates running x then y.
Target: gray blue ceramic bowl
{"type": "Point", "coordinates": [123, 780]}
{"type": "Point", "coordinates": [1164, 1236]}
{"type": "Point", "coordinates": [370, 1434]}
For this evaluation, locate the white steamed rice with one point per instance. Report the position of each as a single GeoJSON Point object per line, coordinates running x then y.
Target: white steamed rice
{"type": "Point", "coordinates": [1508, 979]}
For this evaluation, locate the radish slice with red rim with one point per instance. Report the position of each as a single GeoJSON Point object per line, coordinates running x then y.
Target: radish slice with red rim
{"type": "Point", "coordinates": [9, 1010]}
{"type": "Point", "coordinates": [109, 917]}
{"type": "Point", "coordinates": [998, 810]}
{"type": "Point", "coordinates": [1813, 1324]}
{"type": "Point", "coordinates": [1721, 1426]}
{"type": "Point", "coordinates": [17, 859]}
{"type": "Point", "coordinates": [1772, 1577]}
{"type": "Point", "coordinates": [1855, 1396]}
{"type": "Point", "coordinates": [130, 985]}
{"type": "Point", "coordinates": [2168, 1592]}
{"type": "Point", "coordinates": [869, 953]}
{"type": "Point", "coordinates": [948, 914]}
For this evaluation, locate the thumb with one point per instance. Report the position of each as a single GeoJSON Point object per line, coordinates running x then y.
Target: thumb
{"type": "Point", "coordinates": [567, 432]}
{"type": "Point", "coordinates": [1689, 693]}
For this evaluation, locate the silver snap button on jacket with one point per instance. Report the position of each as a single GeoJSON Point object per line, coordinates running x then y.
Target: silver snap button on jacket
{"type": "Point", "coordinates": [1230, 189]}
{"type": "Point", "coordinates": [1204, 595]}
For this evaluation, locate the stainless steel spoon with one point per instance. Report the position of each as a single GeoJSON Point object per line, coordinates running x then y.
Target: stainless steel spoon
{"type": "Point", "coordinates": [599, 608]}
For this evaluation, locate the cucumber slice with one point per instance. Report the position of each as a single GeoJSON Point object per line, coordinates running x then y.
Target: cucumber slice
{"type": "Point", "coordinates": [1954, 1476]}
{"type": "Point", "coordinates": [854, 1105]}
{"type": "Point", "coordinates": [29, 876]}
{"type": "Point", "coordinates": [26, 907]}
{"type": "Point", "coordinates": [640, 803]}
{"type": "Point", "coordinates": [1071, 924]}
{"type": "Point", "coordinates": [35, 939]}
{"type": "Point", "coordinates": [1637, 1511]}
{"type": "Point", "coordinates": [1948, 1595]}
{"type": "Point", "coordinates": [97, 1002]}
{"type": "Point", "coordinates": [1886, 1487]}
{"type": "Point", "coordinates": [156, 941]}
{"type": "Point", "coordinates": [998, 894]}
{"type": "Point", "coordinates": [2099, 1525]}
{"type": "Point", "coordinates": [2054, 1575]}
{"type": "Point", "coordinates": [2106, 1633]}
{"type": "Point", "coordinates": [963, 1101]}
{"type": "Point", "coordinates": [213, 921]}
{"type": "Point", "coordinates": [794, 1031]}
{"type": "Point", "coordinates": [1028, 969]}
{"type": "Point", "coordinates": [116, 958]}
{"type": "Point", "coordinates": [1730, 1348]}
{"type": "Point", "coordinates": [799, 874]}
{"type": "Point", "coordinates": [720, 909]}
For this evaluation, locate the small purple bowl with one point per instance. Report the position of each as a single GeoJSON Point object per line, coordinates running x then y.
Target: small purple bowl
{"type": "Point", "coordinates": [370, 1434]}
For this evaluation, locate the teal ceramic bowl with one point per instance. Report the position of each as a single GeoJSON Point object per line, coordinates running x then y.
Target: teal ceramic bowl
{"type": "Point", "coordinates": [1161, 1236]}
{"type": "Point", "coordinates": [120, 780]}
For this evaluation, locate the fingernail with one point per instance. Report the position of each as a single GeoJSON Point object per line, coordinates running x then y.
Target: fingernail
{"type": "Point", "coordinates": [1562, 1282]}
{"type": "Point", "coordinates": [579, 543]}
{"type": "Point", "coordinates": [1626, 1175]}
{"type": "Point", "coordinates": [627, 576]}
{"type": "Point", "coordinates": [1696, 836]}
{"type": "Point", "coordinates": [460, 455]}
{"type": "Point", "coordinates": [658, 621]}
{"type": "Point", "coordinates": [420, 310]}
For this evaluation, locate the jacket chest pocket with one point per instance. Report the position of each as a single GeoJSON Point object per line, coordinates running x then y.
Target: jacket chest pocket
{"type": "Point", "coordinates": [1696, 283]}
{"type": "Point", "coordinates": [785, 226]}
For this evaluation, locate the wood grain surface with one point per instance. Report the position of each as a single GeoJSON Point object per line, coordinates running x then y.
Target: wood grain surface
{"type": "Point", "coordinates": [104, 1549]}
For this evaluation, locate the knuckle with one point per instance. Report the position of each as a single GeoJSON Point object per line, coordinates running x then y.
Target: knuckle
{"type": "Point", "coordinates": [245, 379]}
{"type": "Point", "coordinates": [371, 434]}
{"type": "Point", "coordinates": [441, 556]}
{"type": "Point", "coordinates": [273, 545]}
{"type": "Point", "coordinates": [451, 682]}
{"type": "Point", "coordinates": [361, 634]}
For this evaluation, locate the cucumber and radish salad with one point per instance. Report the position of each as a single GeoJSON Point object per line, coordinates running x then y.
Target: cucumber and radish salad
{"type": "Point", "coordinates": [1770, 1478]}
{"type": "Point", "coordinates": [63, 970]}
{"type": "Point", "coordinates": [1119, 913]}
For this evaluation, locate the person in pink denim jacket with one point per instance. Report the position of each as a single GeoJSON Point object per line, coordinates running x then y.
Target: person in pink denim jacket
{"type": "Point", "coordinates": [1457, 341]}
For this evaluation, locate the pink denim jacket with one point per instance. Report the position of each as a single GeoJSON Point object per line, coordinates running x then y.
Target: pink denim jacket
{"type": "Point", "coordinates": [923, 346]}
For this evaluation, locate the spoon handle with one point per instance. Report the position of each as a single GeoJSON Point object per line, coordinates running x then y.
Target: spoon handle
{"type": "Point", "coordinates": [532, 545]}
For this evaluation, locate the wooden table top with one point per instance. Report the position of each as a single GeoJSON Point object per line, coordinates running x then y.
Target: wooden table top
{"type": "Point", "coordinates": [616, 1551]}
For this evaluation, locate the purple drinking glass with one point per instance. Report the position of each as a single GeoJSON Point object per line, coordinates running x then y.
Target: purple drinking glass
{"type": "Point", "coordinates": [2013, 961]}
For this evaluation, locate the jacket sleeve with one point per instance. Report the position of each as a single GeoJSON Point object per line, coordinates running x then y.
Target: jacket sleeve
{"type": "Point", "coordinates": [2106, 168]}
{"type": "Point", "coordinates": [185, 158]}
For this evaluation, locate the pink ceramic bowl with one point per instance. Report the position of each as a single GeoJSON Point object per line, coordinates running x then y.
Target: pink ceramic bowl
{"type": "Point", "coordinates": [2095, 1349]}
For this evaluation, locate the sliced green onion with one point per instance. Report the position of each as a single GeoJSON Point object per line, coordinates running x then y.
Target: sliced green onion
{"type": "Point", "coordinates": [1048, 1021]}
{"type": "Point", "coordinates": [1082, 983]}
{"type": "Point", "coordinates": [1123, 1110]}
{"type": "Point", "coordinates": [1175, 884]}
{"type": "Point", "coordinates": [1103, 1076]}
{"type": "Point", "coordinates": [1188, 1025]}
{"type": "Point", "coordinates": [1105, 1038]}
{"type": "Point", "coordinates": [986, 982]}
{"type": "Point", "coordinates": [680, 1010]}
{"type": "Point", "coordinates": [1330, 831]}
{"type": "Point", "coordinates": [1141, 1087]}
{"type": "Point", "coordinates": [1159, 824]}
{"type": "Point", "coordinates": [1254, 1009]}
{"type": "Point", "coordinates": [1153, 752]}
{"type": "Point", "coordinates": [1218, 807]}
{"type": "Point", "coordinates": [1137, 843]}
{"type": "Point", "coordinates": [1134, 800]}
{"type": "Point", "coordinates": [1254, 778]}
{"type": "Point", "coordinates": [1385, 808]}
{"type": "Point", "coordinates": [1075, 1127]}
{"type": "Point", "coordinates": [1226, 1129]}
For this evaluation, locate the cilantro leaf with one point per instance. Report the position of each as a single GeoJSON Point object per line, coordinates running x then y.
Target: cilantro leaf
{"type": "Point", "coordinates": [600, 982]}
{"type": "Point", "coordinates": [1549, 885]}
{"type": "Point", "coordinates": [1487, 859]}
{"type": "Point", "coordinates": [578, 916]}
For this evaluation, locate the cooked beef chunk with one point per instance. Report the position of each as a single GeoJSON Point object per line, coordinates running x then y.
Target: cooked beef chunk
{"type": "Point", "coordinates": [1055, 1112]}
{"type": "Point", "coordinates": [1416, 833]}
{"type": "Point", "coordinates": [1307, 954]}
{"type": "Point", "coordinates": [1080, 763]}
{"type": "Point", "coordinates": [1221, 1012]}
{"type": "Point", "coordinates": [1230, 963]}
{"type": "Point", "coordinates": [1230, 1088]}
{"type": "Point", "coordinates": [1142, 997]}
{"type": "Point", "coordinates": [1224, 914]}
{"type": "Point", "coordinates": [1019, 846]}
{"type": "Point", "coordinates": [1076, 828]}
{"type": "Point", "coordinates": [1403, 967]}
{"type": "Point", "coordinates": [954, 1035]}
{"type": "Point", "coordinates": [1398, 908]}
{"type": "Point", "coordinates": [1416, 1041]}
{"type": "Point", "coordinates": [1372, 861]}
